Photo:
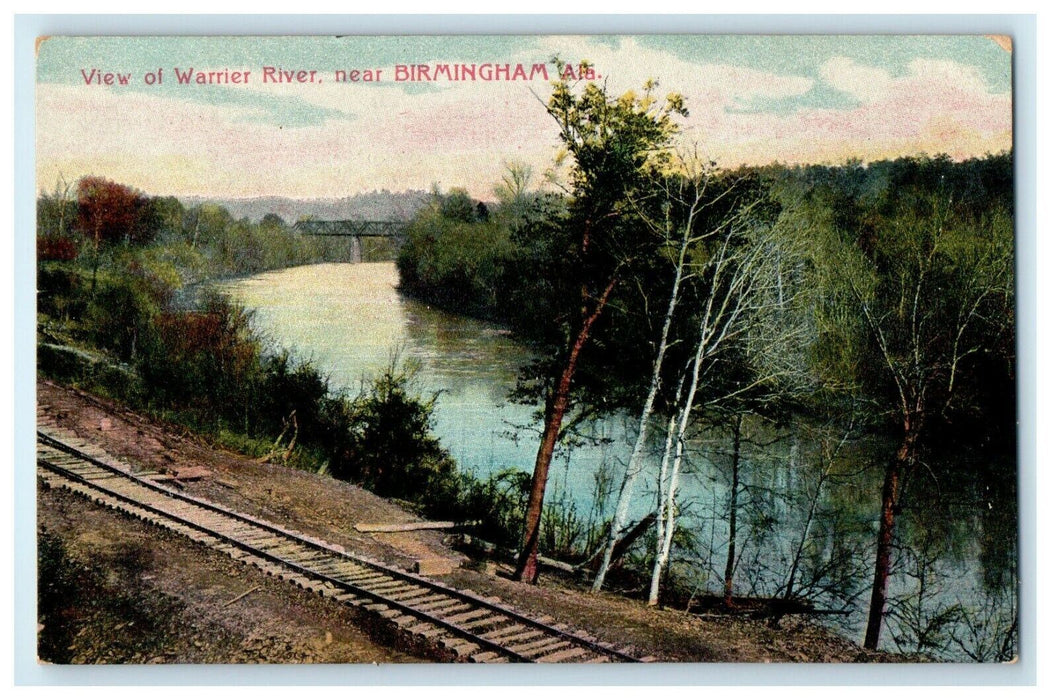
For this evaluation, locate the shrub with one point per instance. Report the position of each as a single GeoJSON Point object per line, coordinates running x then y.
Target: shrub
{"type": "Point", "coordinates": [56, 248]}
{"type": "Point", "coordinates": [391, 449]}
{"type": "Point", "coordinates": [208, 361]}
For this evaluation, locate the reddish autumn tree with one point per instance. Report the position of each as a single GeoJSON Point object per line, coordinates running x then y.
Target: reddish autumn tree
{"type": "Point", "coordinates": [109, 212]}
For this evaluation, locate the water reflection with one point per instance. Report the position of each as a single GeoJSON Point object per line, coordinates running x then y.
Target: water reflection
{"type": "Point", "coordinates": [807, 511]}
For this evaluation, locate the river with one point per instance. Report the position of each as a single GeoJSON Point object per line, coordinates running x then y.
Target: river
{"type": "Point", "coordinates": [953, 596]}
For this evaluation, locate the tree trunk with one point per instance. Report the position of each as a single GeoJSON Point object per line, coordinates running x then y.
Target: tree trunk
{"type": "Point", "coordinates": [662, 525]}
{"type": "Point", "coordinates": [886, 529]}
{"type": "Point", "coordinates": [635, 461]}
{"type": "Point", "coordinates": [554, 412]}
{"type": "Point", "coordinates": [670, 525]}
{"type": "Point", "coordinates": [626, 540]}
{"type": "Point", "coordinates": [732, 516]}
{"type": "Point", "coordinates": [95, 265]}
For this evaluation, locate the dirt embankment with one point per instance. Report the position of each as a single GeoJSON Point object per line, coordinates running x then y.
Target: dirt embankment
{"type": "Point", "coordinates": [156, 598]}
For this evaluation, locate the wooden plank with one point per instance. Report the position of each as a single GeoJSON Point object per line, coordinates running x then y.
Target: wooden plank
{"type": "Point", "coordinates": [405, 527]}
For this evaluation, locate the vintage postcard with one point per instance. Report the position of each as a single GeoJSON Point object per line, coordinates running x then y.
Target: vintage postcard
{"type": "Point", "coordinates": [508, 349]}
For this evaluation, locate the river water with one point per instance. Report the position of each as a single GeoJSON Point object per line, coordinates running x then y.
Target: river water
{"type": "Point", "coordinates": [953, 595]}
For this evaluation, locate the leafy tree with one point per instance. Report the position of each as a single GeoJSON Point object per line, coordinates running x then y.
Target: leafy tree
{"type": "Point", "coordinates": [109, 212]}
{"type": "Point", "coordinates": [206, 223]}
{"type": "Point", "coordinates": [921, 287]}
{"type": "Point", "coordinates": [166, 215]}
{"type": "Point", "coordinates": [273, 221]}
{"type": "Point", "coordinates": [458, 206]}
{"type": "Point", "coordinates": [457, 263]}
{"type": "Point", "coordinates": [614, 144]}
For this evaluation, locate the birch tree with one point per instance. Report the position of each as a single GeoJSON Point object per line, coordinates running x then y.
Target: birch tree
{"type": "Point", "coordinates": [695, 209]}
{"type": "Point", "coordinates": [688, 190]}
{"type": "Point", "coordinates": [748, 356]}
{"type": "Point", "coordinates": [732, 294]}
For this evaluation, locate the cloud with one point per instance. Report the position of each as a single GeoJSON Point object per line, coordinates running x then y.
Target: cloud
{"type": "Point", "coordinates": [332, 139]}
{"type": "Point", "coordinates": [865, 83]}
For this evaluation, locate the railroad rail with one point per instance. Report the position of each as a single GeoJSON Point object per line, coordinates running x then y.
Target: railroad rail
{"type": "Point", "coordinates": [460, 623]}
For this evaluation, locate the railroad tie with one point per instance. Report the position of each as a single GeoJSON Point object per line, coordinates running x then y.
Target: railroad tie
{"type": "Point", "coordinates": [562, 655]}
{"type": "Point", "coordinates": [545, 644]}
{"type": "Point", "coordinates": [502, 632]}
{"type": "Point", "coordinates": [459, 646]}
{"type": "Point", "coordinates": [507, 639]}
{"type": "Point", "coordinates": [448, 606]}
{"type": "Point", "coordinates": [485, 621]}
{"type": "Point", "coordinates": [427, 630]}
{"type": "Point", "coordinates": [487, 657]}
{"type": "Point", "coordinates": [424, 598]}
{"type": "Point", "coordinates": [467, 616]}
{"type": "Point", "coordinates": [404, 597]}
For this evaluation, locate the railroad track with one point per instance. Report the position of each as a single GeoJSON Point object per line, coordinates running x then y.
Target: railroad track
{"type": "Point", "coordinates": [457, 624]}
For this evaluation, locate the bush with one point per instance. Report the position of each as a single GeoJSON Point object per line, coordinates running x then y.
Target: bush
{"type": "Point", "coordinates": [56, 248]}
{"type": "Point", "coordinates": [497, 504]}
{"type": "Point", "coordinates": [208, 361]}
{"type": "Point", "coordinates": [391, 450]}
{"type": "Point", "coordinates": [59, 293]}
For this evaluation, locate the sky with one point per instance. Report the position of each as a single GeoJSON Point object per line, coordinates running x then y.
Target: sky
{"type": "Point", "coordinates": [752, 99]}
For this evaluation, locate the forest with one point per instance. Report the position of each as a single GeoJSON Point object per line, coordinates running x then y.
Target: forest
{"type": "Point", "coordinates": [867, 309]}
{"type": "Point", "coordinates": [857, 300]}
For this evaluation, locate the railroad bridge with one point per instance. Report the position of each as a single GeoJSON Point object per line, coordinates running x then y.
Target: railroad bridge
{"type": "Point", "coordinates": [355, 230]}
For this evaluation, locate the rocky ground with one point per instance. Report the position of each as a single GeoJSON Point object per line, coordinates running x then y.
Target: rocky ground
{"type": "Point", "coordinates": [122, 591]}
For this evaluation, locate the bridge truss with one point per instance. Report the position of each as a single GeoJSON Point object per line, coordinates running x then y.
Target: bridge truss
{"type": "Point", "coordinates": [355, 230]}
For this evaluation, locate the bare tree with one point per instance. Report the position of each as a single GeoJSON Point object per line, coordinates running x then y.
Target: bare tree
{"type": "Point", "coordinates": [753, 314]}
{"type": "Point", "coordinates": [831, 445]}
{"type": "Point", "coordinates": [61, 201]}
{"type": "Point", "coordinates": [514, 183]}
{"type": "Point", "coordinates": [732, 287]}
{"type": "Point", "coordinates": [689, 191]}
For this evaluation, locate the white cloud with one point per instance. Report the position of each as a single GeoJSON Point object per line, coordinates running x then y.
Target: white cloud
{"type": "Point", "coordinates": [865, 83]}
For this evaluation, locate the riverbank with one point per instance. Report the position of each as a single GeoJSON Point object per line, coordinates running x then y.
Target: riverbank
{"type": "Point", "coordinates": [329, 509]}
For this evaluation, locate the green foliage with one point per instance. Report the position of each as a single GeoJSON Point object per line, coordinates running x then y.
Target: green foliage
{"type": "Point", "coordinates": [613, 142]}
{"type": "Point", "coordinates": [391, 449]}
{"type": "Point", "coordinates": [454, 260]}
{"type": "Point", "coordinates": [496, 503]}
{"type": "Point", "coordinates": [918, 310]}
{"type": "Point", "coordinates": [924, 245]}
{"type": "Point", "coordinates": [207, 361]}
{"type": "Point", "coordinates": [207, 368]}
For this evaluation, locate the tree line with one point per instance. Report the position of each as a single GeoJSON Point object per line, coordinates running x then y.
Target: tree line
{"type": "Point", "coordinates": [97, 222]}
{"type": "Point", "coordinates": [115, 317]}
{"type": "Point", "coordinates": [876, 299]}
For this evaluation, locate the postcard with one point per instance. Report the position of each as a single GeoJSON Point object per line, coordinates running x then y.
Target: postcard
{"type": "Point", "coordinates": [526, 349]}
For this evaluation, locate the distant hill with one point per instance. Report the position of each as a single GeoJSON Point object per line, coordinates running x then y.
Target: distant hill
{"type": "Point", "coordinates": [378, 205]}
